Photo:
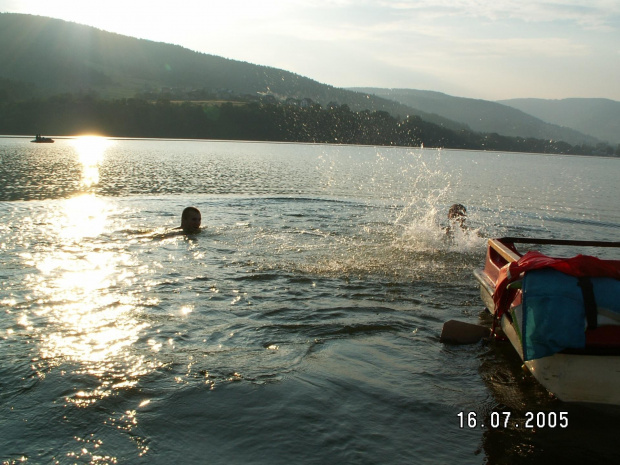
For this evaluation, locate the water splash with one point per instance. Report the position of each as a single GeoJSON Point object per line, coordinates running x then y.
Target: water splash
{"type": "Point", "coordinates": [393, 225]}
{"type": "Point", "coordinates": [423, 212]}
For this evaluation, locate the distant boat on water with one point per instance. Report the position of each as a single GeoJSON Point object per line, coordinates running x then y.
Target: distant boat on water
{"type": "Point", "coordinates": [39, 139]}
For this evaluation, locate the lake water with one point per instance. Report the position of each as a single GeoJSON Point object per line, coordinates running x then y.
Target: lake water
{"type": "Point", "coordinates": [301, 325]}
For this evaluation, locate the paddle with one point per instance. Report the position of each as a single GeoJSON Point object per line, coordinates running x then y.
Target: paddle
{"type": "Point", "coordinates": [460, 332]}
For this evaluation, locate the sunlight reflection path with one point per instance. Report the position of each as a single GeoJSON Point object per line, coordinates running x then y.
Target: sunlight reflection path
{"type": "Point", "coordinates": [82, 296]}
{"type": "Point", "coordinates": [91, 150]}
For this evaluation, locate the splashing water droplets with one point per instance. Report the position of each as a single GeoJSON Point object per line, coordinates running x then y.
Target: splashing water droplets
{"type": "Point", "coordinates": [394, 223]}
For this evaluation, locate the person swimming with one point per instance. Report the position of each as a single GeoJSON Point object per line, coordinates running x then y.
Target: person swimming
{"type": "Point", "coordinates": [457, 214]}
{"type": "Point", "coordinates": [190, 224]}
{"type": "Point", "coordinates": [190, 220]}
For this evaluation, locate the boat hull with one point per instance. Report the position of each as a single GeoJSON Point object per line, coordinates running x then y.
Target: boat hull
{"type": "Point", "coordinates": [578, 376]}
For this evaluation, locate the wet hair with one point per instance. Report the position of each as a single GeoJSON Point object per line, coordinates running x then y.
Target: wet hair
{"type": "Point", "coordinates": [188, 210]}
{"type": "Point", "coordinates": [457, 210]}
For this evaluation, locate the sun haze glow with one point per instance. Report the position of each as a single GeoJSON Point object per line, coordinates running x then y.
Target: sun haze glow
{"type": "Point", "coordinates": [491, 50]}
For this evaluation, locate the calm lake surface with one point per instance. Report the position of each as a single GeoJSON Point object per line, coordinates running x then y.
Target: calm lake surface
{"type": "Point", "coordinates": [301, 325]}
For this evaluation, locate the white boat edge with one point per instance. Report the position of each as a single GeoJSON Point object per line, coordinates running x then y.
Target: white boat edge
{"type": "Point", "coordinates": [570, 377]}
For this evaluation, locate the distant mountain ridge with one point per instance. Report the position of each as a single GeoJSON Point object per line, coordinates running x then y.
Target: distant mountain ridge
{"type": "Point", "coordinates": [43, 56]}
{"type": "Point", "coordinates": [596, 116]}
{"type": "Point", "coordinates": [483, 115]}
{"type": "Point", "coordinates": [57, 56]}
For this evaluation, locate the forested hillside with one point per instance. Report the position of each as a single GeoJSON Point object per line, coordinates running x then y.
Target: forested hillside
{"type": "Point", "coordinates": [61, 78]}
{"type": "Point", "coordinates": [258, 121]}
{"type": "Point", "coordinates": [596, 116]}
{"type": "Point", "coordinates": [54, 56]}
{"type": "Point", "coordinates": [482, 115]}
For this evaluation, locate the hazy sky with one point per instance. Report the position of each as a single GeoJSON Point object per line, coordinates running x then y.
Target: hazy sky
{"type": "Point", "coordinates": [489, 49]}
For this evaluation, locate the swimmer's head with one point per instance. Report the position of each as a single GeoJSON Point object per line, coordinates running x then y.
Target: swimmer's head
{"type": "Point", "coordinates": [191, 219]}
{"type": "Point", "coordinates": [457, 211]}
{"type": "Point", "coordinates": [458, 214]}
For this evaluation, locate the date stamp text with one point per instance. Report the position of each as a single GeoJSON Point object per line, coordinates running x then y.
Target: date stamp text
{"type": "Point", "coordinates": [505, 420]}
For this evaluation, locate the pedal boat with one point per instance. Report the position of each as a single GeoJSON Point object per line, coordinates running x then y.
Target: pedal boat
{"type": "Point", "coordinates": [42, 140]}
{"type": "Point", "coordinates": [587, 370]}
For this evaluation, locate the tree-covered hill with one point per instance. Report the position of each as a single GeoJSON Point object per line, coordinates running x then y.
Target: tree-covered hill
{"type": "Point", "coordinates": [483, 115]}
{"type": "Point", "coordinates": [596, 116]}
{"type": "Point", "coordinates": [256, 120]}
{"type": "Point", "coordinates": [46, 62]}
{"type": "Point", "coordinates": [59, 56]}
{"type": "Point", "coordinates": [55, 56]}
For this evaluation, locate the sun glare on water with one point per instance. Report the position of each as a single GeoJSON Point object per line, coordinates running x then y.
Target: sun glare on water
{"type": "Point", "coordinates": [91, 322]}
{"type": "Point", "coordinates": [88, 321]}
{"type": "Point", "coordinates": [90, 150]}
